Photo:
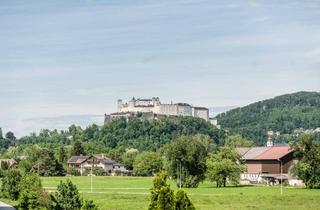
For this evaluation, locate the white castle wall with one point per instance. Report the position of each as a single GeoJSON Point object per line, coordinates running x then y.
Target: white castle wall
{"type": "Point", "coordinates": [154, 105]}
{"type": "Point", "coordinates": [184, 110]}
{"type": "Point", "coordinates": [201, 113]}
{"type": "Point", "coordinates": [167, 109]}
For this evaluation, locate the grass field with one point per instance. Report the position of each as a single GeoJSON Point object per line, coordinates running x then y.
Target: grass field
{"type": "Point", "coordinates": [132, 193]}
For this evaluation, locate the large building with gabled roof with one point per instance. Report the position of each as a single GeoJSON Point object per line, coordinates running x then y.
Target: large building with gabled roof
{"type": "Point", "coordinates": [269, 164]}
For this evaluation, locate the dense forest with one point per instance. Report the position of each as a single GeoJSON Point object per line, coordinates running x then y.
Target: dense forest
{"type": "Point", "coordinates": [120, 133]}
{"type": "Point", "coordinates": [284, 114]}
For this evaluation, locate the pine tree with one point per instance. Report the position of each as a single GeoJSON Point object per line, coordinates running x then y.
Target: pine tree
{"type": "Point", "coordinates": [62, 155]}
{"type": "Point", "coordinates": [158, 182]}
{"type": "Point", "coordinates": [166, 199]}
{"type": "Point", "coordinates": [77, 149]}
{"type": "Point", "coordinates": [48, 165]}
{"type": "Point", "coordinates": [67, 196]}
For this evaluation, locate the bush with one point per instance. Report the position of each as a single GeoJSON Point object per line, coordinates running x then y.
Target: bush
{"type": "Point", "coordinates": [32, 195]}
{"type": "Point", "coordinates": [163, 198]}
{"type": "Point", "coordinates": [67, 196]}
{"type": "Point", "coordinates": [183, 202]}
{"type": "Point", "coordinates": [166, 199]}
{"type": "Point", "coordinates": [73, 172]}
{"type": "Point", "coordinates": [28, 200]}
{"type": "Point", "coordinates": [95, 171]}
{"type": "Point", "coordinates": [158, 182]}
{"type": "Point", "coordinates": [99, 172]}
{"type": "Point", "coordinates": [89, 205]}
{"type": "Point", "coordinates": [10, 187]}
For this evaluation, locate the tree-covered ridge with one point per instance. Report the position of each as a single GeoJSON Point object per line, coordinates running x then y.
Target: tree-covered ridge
{"type": "Point", "coordinates": [135, 133]}
{"type": "Point", "coordinates": [283, 113]}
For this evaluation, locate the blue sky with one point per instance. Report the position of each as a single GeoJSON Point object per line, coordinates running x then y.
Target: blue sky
{"type": "Point", "coordinates": [64, 62]}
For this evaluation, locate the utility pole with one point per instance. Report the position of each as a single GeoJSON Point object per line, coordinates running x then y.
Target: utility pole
{"type": "Point", "coordinates": [180, 174]}
{"type": "Point", "coordinates": [281, 176]}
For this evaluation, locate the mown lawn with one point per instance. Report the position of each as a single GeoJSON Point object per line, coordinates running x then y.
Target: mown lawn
{"type": "Point", "coordinates": [120, 193]}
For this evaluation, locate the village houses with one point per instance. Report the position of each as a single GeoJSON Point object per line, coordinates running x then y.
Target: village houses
{"type": "Point", "coordinates": [83, 163]}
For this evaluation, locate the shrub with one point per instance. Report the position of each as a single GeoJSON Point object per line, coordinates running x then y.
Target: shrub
{"type": "Point", "coordinates": [89, 205]}
{"type": "Point", "coordinates": [73, 172]}
{"type": "Point", "coordinates": [183, 202]}
{"type": "Point", "coordinates": [10, 187]}
{"type": "Point", "coordinates": [99, 172]}
{"type": "Point", "coordinates": [32, 195]}
{"type": "Point", "coordinates": [166, 199]}
{"type": "Point", "coordinates": [163, 198]}
{"type": "Point", "coordinates": [67, 196]}
{"type": "Point", "coordinates": [158, 182]}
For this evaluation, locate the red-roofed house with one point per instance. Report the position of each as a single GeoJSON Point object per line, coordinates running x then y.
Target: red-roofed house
{"type": "Point", "coordinates": [268, 164]}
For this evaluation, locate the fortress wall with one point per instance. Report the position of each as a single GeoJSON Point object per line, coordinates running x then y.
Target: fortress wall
{"type": "Point", "coordinates": [201, 113]}
{"type": "Point", "coordinates": [168, 109]}
{"type": "Point", "coordinates": [184, 110]}
{"type": "Point", "coordinates": [136, 109]}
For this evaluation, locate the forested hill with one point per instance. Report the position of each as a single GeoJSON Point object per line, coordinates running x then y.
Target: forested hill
{"type": "Point", "coordinates": [120, 133]}
{"type": "Point", "coordinates": [283, 113]}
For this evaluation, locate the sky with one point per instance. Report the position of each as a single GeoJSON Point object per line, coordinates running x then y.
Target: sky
{"type": "Point", "coordinates": [67, 62]}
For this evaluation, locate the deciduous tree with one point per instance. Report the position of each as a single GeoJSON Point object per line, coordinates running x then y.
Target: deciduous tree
{"type": "Point", "coordinates": [307, 149]}
{"type": "Point", "coordinates": [10, 136]}
{"type": "Point", "coordinates": [147, 163]}
{"type": "Point", "coordinates": [187, 156]}
{"type": "Point", "coordinates": [226, 165]}
{"type": "Point", "coordinates": [238, 141]}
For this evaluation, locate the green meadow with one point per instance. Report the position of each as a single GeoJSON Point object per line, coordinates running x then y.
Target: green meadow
{"type": "Point", "coordinates": [132, 193]}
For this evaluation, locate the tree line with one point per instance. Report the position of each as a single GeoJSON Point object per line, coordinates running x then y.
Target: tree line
{"type": "Point", "coordinates": [120, 133]}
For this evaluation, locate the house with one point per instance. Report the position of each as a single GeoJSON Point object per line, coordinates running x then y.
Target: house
{"type": "Point", "coordinates": [82, 163]}
{"type": "Point", "coordinates": [270, 164]}
{"type": "Point", "coordinates": [105, 163]}
{"type": "Point", "coordinates": [7, 163]}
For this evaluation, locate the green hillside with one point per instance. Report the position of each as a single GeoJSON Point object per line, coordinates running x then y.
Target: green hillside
{"type": "Point", "coordinates": [283, 113]}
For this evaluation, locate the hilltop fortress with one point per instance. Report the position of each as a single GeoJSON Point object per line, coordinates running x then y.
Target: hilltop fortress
{"type": "Point", "coordinates": [153, 108]}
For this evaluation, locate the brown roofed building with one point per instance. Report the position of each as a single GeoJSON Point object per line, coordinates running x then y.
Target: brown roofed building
{"type": "Point", "coordinates": [270, 164]}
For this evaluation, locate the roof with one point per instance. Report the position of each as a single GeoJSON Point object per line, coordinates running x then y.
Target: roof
{"type": "Point", "coordinates": [78, 159]}
{"type": "Point", "coordinates": [264, 153]}
{"type": "Point", "coordinates": [200, 107]}
{"type": "Point", "coordinates": [107, 161]}
{"type": "Point", "coordinates": [182, 104]}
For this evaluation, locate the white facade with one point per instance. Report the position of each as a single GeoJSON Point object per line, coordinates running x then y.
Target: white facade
{"type": "Point", "coordinates": [155, 106]}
